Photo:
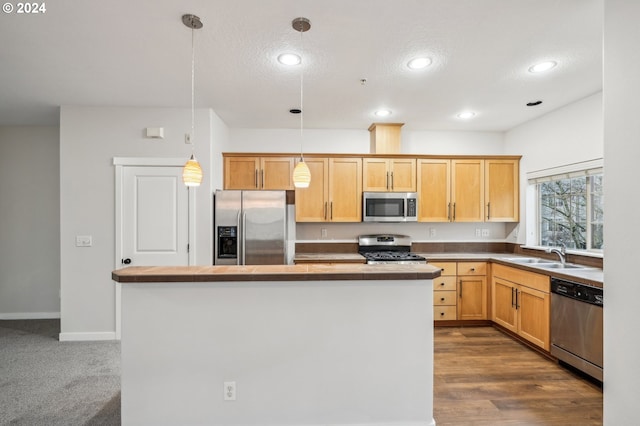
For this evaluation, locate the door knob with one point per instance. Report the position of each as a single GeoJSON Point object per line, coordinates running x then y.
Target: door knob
{"type": "Point", "coordinates": [126, 261]}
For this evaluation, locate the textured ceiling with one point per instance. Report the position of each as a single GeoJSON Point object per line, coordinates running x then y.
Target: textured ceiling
{"type": "Point", "coordinates": [138, 53]}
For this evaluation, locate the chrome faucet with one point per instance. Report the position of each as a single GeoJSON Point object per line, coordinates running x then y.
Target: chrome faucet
{"type": "Point", "coordinates": [561, 252]}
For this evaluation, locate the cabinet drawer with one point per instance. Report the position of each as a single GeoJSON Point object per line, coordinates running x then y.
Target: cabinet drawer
{"type": "Point", "coordinates": [446, 268]}
{"type": "Point", "coordinates": [442, 313]}
{"type": "Point", "coordinates": [445, 283]}
{"type": "Point", "coordinates": [472, 268]}
{"type": "Point", "coordinates": [446, 298]}
{"type": "Point", "coordinates": [530, 279]}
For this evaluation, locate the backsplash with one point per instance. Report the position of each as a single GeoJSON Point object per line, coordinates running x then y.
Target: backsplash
{"type": "Point", "coordinates": [418, 231]}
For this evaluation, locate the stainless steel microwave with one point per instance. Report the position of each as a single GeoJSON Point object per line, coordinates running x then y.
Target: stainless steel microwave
{"type": "Point", "coordinates": [389, 207]}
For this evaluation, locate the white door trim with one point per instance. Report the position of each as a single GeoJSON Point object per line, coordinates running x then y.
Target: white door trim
{"type": "Point", "coordinates": [120, 163]}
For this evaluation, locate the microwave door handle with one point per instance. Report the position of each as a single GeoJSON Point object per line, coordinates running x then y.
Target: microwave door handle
{"type": "Point", "coordinates": [406, 201]}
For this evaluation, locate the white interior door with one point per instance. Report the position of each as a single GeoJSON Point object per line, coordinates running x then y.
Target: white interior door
{"type": "Point", "coordinates": [155, 217]}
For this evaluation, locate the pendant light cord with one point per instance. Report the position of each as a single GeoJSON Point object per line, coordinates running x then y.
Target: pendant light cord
{"type": "Point", "coordinates": [301, 92]}
{"type": "Point", "coordinates": [193, 96]}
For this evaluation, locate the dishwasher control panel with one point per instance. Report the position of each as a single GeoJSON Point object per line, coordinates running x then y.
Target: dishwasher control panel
{"type": "Point", "coordinates": [582, 292]}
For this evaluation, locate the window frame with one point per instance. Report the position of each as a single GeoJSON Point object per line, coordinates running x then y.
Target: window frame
{"type": "Point", "coordinates": [587, 169]}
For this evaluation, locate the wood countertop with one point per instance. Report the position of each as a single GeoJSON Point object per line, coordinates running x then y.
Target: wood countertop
{"type": "Point", "coordinates": [305, 272]}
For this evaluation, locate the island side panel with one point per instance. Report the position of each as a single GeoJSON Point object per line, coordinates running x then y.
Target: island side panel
{"type": "Point", "coordinates": [315, 352]}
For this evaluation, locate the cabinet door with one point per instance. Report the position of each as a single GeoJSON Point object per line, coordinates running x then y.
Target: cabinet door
{"type": "Point", "coordinates": [434, 196]}
{"type": "Point", "coordinates": [375, 174]}
{"type": "Point", "coordinates": [402, 174]}
{"type": "Point", "coordinates": [312, 202]}
{"type": "Point", "coordinates": [472, 298]}
{"type": "Point", "coordinates": [241, 172]}
{"type": "Point", "coordinates": [533, 316]}
{"type": "Point", "coordinates": [503, 304]}
{"type": "Point", "coordinates": [345, 189]}
{"type": "Point", "coordinates": [467, 193]}
{"type": "Point", "coordinates": [276, 173]}
{"type": "Point", "coordinates": [502, 190]}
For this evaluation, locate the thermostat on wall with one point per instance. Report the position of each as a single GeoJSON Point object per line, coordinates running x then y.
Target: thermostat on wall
{"type": "Point", "coordinates": [155, 132]}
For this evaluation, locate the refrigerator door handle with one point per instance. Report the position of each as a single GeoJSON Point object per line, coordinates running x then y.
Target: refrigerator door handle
{"type": "Point", "coordinates": [242, 249]}
{"type": "Point", "coordinates": [240, 232]}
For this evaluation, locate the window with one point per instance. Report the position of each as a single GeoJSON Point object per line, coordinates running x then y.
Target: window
{"type": "Point", "coordinates": [570, 209]}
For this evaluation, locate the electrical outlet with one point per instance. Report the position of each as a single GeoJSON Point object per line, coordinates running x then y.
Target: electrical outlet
{"type": "Point", "coordinates": [323, 232]}
{"type": "Point", "coordinates": [187, 138]}
{"type": "Point", "coordinates": [229, 391]}
{"type": "Point", "coordinates": [478, 232]}
{"type": "Point", "coordinates": [485, 232]}
{"type": "Point", "coordinates": [432, 232]}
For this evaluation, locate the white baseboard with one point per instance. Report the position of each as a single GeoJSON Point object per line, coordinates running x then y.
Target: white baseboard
{"type": "Point", "coordinates": [84, 337]}
{"type": "Point", "coordinates": [29, 315]}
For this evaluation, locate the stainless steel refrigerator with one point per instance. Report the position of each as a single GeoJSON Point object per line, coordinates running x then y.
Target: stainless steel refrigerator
{"type": "Point", "coordinates": [250, 228]}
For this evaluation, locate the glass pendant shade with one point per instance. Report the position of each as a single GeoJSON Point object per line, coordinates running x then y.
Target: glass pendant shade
{"type": "Point", "coordinates": [192, 172]}
{"type": "Point", "coordinates": [301, 175]}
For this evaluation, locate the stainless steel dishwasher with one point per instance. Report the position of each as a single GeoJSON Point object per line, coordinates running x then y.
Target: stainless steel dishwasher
{"type": "Point", "coordinates": [576, 325]}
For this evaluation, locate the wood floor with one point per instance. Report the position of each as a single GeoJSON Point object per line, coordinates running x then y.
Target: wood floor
{"type": "Point", "coordinates": [483, 377]}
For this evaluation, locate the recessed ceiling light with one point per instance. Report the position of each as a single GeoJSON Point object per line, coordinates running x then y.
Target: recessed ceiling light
{"type": "Point", "coordinates": [466, 115]}
{"type": "Point", "coordinates": [419, 63]}
{"type": "Point", "coordinates": [383, 113]}
{"type": "Point", "coordinates": [289, 59]}
{"type": "Point", "coordinates": [543, 66]}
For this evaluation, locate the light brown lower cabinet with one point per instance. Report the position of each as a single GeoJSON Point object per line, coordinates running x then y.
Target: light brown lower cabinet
{"type": "Point", "coordinates": [445, 295]}
{"type": "Point", "coordinates": [520, 303]}
{"type": "Point", "coordinates": [460, 293]}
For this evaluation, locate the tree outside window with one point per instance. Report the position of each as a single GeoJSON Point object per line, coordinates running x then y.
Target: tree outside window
{"type": "Point", "coordinates": [571, 212]}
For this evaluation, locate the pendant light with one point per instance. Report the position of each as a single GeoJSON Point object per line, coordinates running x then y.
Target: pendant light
{"type": "Point", "coordinates": [192, 172]}
{"type": "Point", "coordinates": [301, 173]}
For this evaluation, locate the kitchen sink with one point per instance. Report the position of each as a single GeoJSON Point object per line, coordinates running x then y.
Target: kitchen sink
{"type": "Point", "coordinates": [555, 265]}
{"type": "Point", "coordinates": [529, 260]}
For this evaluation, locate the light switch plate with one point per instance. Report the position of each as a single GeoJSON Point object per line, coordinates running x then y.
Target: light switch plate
{"type": "Point", "coordinates": [84, 241]}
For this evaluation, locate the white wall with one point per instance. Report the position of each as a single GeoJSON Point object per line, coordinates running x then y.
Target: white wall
{"type": "Point", "coordinates": [301, 353]}
{"type": "Point", "coordinates": [622, 206]}
{"type": "Point", "coordinates": [570, 134]}
{"type": "Point", "coordinates": [90, 137]}
{"type": "Point", "coordinates": [357, 142]}
{"type": "Point", "coordinates": [29, 223]}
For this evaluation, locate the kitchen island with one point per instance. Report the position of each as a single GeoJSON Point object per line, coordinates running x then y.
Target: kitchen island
{"type": "Point", "coordinates": [300, 344]}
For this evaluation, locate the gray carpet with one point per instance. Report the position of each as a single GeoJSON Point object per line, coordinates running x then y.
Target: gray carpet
{"type": "Point", "coordinates": [47, 382]}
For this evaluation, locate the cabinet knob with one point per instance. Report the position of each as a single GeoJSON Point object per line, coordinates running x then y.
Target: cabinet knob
{"type": "Point", "coordinates": [473, 269]}
{"type": "Point", "coordinates": [441, 314]}
{"type": "Point", "coordinates": [441, 283]}
{"type": "Point", "coordinates": [442, 299]}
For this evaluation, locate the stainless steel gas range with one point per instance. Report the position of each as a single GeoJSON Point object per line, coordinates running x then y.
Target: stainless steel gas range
{"type": "Point", "coordinates": [388, 248]}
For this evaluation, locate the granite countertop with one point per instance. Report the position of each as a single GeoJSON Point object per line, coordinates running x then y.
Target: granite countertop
{"type": "Point", "coordinates": [309, 272]}
{"type": "Point", "coordinates": [585, 275]}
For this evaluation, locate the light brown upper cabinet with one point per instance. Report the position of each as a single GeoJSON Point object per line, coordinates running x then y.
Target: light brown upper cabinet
{"type": "Point", "coordinates": [450, 190]}
{"type": "Point", "coordinates": [434, 190]}
{"type": "Point", "coordinates": [335, 192]}
{"type": "Point", "coordinates": [275, 173]}
{"type": "Point", "coordinates": [468, 190]}
{"type": "Point", "coordinates": [389, 174]}
{"type": "Point", "coordinates": [502, 189]}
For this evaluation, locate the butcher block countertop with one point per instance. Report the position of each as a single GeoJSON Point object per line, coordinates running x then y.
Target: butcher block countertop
{"type": "Point", "coordinates": [304, 272]}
